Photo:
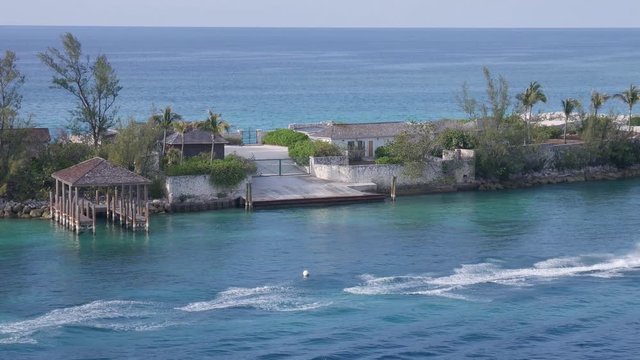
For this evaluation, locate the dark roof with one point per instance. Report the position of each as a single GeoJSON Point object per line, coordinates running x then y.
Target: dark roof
{"type": "Point", "coordinates": [98, 172]}
{"type": "Point", "coordinates": [194, 136]}
{"type": "Point", "coordinates": [335, 131]}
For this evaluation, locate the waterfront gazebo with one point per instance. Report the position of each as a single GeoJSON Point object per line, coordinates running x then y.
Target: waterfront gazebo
{"type": "Point", "coordinates": [97, 186]}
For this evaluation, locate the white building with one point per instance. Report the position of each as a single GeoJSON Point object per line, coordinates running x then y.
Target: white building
{"type": "Point", "coordinates": [361, 139]}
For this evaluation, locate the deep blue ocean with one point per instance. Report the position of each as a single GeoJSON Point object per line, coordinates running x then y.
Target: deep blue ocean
{"type": "Point", "coordinates": [268, 78]}
{"type": "Point", "coordinates": [545, 273]}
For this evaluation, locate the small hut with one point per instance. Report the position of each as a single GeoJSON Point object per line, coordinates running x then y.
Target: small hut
{"type": "Point", "coordinates": [96, 186]}
{"type": "Point", "coordinates": [197, 141]}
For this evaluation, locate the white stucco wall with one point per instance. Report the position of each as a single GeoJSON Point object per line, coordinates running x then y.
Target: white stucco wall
{"type": "Point", "coordinates": [198, 188]}
{"type": "Point", "coordinates": [436, 172]}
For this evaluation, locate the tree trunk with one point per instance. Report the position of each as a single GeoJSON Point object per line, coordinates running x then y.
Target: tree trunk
{"type": "Point", "coordinates": [164, 141]}
{"type": "Point", "coordinates": [566, 120]}
{"type": "Point", "coordinates": [213, 137]}
{"type": "Point", "coordinates": [182, 149]}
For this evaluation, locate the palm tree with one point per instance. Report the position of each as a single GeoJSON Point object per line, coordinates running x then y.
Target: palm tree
{"type": "Point", "coordinates": [532, 95]}
{"type": "Point", "coordinates": [215, 125]}
{"type": "Point", "coordinates": [630, 97]}
{"type": "Point", "coordinates": [568, 105]}
{"type": "Point", "coordinates": [165, 120]}
{"type": "Point", "coordinates": [181, 127]}
{"type": "Point", "coordinates": [597, 100]}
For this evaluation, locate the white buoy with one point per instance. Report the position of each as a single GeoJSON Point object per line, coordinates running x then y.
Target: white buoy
{"type": "Point", "coordinates": [305, 273]}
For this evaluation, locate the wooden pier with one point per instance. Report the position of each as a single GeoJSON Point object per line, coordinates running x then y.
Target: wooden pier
{"type": "Point", "coordinates": [97, 187]}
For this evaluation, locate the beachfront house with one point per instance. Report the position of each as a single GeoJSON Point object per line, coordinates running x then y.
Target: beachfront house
{"type": "Point", "coordinates": [197, 141]}
{"type": "Point", "coordinates": [361, 140]}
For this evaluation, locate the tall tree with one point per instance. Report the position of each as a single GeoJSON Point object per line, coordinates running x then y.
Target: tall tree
{"type": "Point", "coordinates": [498, 96]}
{"type": "Point", "coordinates": [165, 121]}
{"type": "Point", "coordinates": [215, 125]}
{"type": "Point", "coordinates": [531, 96]}
{"type": "Point", "coordinates": [94, 85]}
{"type": "Point", "coordinates": [181, 128]}
{"type": "Point", "coordinates": [629, 97]}
{"type": "Point", "coordinates": [10, 98]}
{"type": "Point", "coordinates": [597, 100]}
{"type": "Point", "coordinates": [568, 106]}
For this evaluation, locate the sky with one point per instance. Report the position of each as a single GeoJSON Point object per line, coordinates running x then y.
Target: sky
{"type": "Point", "coordinates": [323, 13]}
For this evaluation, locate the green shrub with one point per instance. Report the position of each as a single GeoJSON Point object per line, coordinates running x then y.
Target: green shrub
{"type": "Point", "coordinates": [452, 138]}
{"type": "Point", "coordinates": [635, 121]}
{"type": "Point", "coordinates": [543, 133]}
{"type": "Point", "coordinates": [302, 150]}
{"type": "Point", "coordinates": [197, 165]}
{"type": "Point", "coordinates": [283, 137]}
{"type": "Point", "coordinates": [231, 171]}
{"type": "Point", "coordinates": [382, 151]}
{"type": "Point", "coordinates": [156, 190]}
{"type": "Point", "coordinates": [323, 148]}
{"type": "Point", "coordinates": [382, 160]}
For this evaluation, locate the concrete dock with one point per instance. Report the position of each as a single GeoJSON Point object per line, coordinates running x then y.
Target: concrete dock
{"type": "Point", "coordinates": [270, 191]}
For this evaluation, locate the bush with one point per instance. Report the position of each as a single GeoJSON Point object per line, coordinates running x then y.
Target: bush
{"type": "Point", "coordinates": [197, 165]}
{"type": "Point", "coordinates": [543, 133]}
{"type": "Point", "coordinates": [382, 160]}
{"type": "Point", "coordinates": [382, 151]}
{"type": "Point", "coordinates": [635, 121]}
{"type": "Point", "coordinates": [156, 190]}
{"type": "Point", "coordinates": [283, 137]}
{"type": "Point", "coordinates": [452, 138]}
{"type": "Point", "coordinates": [231, 171]}
{"type": "Point", "coordinates": [302, 150]}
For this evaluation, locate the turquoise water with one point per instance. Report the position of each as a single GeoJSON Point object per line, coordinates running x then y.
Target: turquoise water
{"type": "Point", "coordinates": [550, 272]}
{"type": "Point", "coordinates": [268, 78]}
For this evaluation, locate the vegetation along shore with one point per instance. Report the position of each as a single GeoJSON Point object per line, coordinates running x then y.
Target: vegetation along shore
{"type": "Point", "coordinates": [512, 145]}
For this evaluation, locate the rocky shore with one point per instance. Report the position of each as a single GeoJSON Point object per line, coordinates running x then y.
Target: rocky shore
{"type": "Point", "coordinates": [593, 173]}
{"type": "Point", "coordinates": [31, 209]}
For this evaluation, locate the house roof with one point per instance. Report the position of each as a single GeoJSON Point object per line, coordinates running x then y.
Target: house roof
{"type": "Point", "coordinates": [98, 172]}
{"type": "Point", "coordinates": [193, 137]}
{"type": "Point", "coordinates": [334, 131]}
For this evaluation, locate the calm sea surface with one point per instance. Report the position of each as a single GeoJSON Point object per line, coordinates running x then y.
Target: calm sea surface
{"type": "Point", "coordinates": [268, 78]}
{"type": "Point", "coordinates": [545, 273]}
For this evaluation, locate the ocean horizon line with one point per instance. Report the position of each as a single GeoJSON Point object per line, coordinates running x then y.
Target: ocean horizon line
{"type": "Point", "coordinates": [541, 28]}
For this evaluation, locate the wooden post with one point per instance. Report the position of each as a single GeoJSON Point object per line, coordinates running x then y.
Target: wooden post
{"type": "Point", "coordinates": [394, 181]}
{"type": "Point", "coordinates": [248, 204]}
{"type": "Point", "coordinates": [63, 207]}
{"type": "Point", "coordinates": [50, 202]}
{"type": "Point", "coordinates": [146, 215]}
{"type": "Point", "coordinates": [94, 219]}
{"type": "Point", "coordinates": [77, 206]}
{"type": "Point", "coordinates": [138, 199]}
{"type": "Point", "coordinates": [115, 207]}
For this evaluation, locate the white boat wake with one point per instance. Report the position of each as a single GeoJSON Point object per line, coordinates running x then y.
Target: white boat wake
{"type": "Point", "coordinates": [604, 266]}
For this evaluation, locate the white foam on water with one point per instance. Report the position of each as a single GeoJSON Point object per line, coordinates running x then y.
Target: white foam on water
{"type": "Point", "coordinates": [268, 298]}
{"type": "Point", "coordinates": [21, 331]}
{"type": "Point", "coordinates": [467, 275]}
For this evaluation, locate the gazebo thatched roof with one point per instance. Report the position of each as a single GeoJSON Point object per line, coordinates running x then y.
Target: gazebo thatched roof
{"type": "Point", "coordinates": [98, 172]}
{"type": "Point", "coordinates": [194, 136]}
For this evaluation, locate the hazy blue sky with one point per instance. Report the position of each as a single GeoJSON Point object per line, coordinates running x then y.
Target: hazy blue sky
{"type": "Point", "coordinates": [321, 13]}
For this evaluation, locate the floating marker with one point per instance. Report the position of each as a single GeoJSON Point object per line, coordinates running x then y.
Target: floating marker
{"type": "Point", "coordinates": [305, 273]}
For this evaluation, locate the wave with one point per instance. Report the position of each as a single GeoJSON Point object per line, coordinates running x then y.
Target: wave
{"type": "Point", "coordinates": [467, 275]}
{"type": "Point", "coordinates": [268, 298]}
{"type": "Point", "coordinates": [91, 314]}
